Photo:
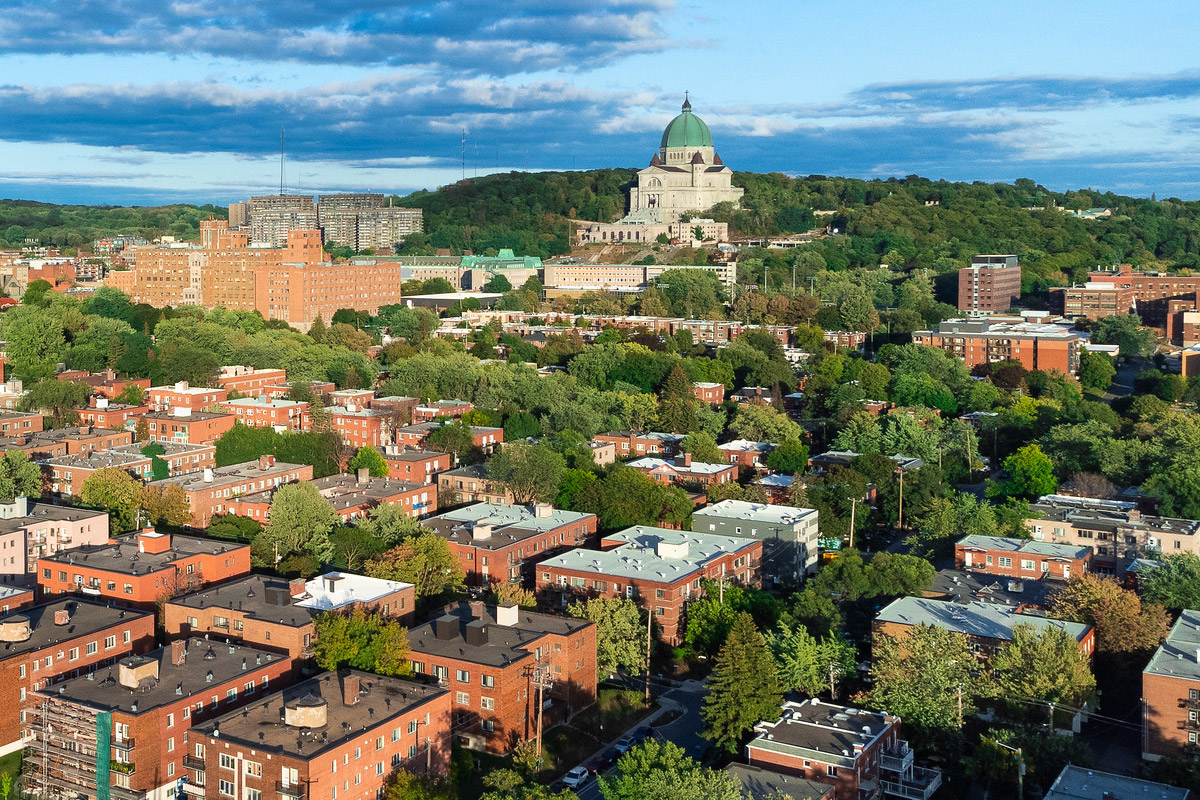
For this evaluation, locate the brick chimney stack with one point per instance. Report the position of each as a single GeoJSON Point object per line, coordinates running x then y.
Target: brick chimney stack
{"type": "Point", "coordinates": [178, 652]}
{"type": "Point", "coordinates": [350, 688]}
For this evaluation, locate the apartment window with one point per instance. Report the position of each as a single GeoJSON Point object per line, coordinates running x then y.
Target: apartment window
{"type": "Point", "coordinates": [170, 720]}
{"type": "Point", "coordinates": [1027, 564]}
{"type": "Point", "coordinates": [412, 726]}
{"type": "Point", "coordinates": [357, 753]}
{"type": "Point", "coordinates": [379, 768]}
{"type": "Point", "coordinates": [171, 744]}
{"type": "Point", "coordinates": [226, 788]}
{"type": "Point", "coordinates": [660, 594]}
{"type": "Point", "coordinates": [127, 637]}
{"type": "Point", "coordinates": [92, 648]}
{"type": "Point", "coordinates": [831, 771]}
{"type": "Point", "coordinates": [253, 794]}
{"type": "Point", "coordinates": [462, 698]}
{"type": "Point", "coordinates": [110, 642]}
{"type": "Point", "coordinates": [379, 744]}
{"type": "Point", "coordinates": [23, 670]}
{"type": "Point", "coordinates": [171, 769]}
{"type": "Point", "coordinates": [228, 761]}
{"type": "Point", "coordinates": [46, 573]}
{"type": "Point", "coordinates": [1005, 561]}
{"type": "Point", "coordinates": [73, 654]}
{"type": "Point", "coordinates": [254, 769]}
{"type": "Point", "coordinates": [129, 588]}
{"type": "Point", "coordinates": [462, 676]}
{"type": "Point", "coordinates": [487, 703]}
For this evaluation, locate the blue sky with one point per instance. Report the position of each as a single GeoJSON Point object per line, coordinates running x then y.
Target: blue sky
{"type": "Point", "coordinates": [148, 101]}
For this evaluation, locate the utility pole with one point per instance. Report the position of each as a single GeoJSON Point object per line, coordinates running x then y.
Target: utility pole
{"type": "Point", "coordinates": [1052, 716]}
{"type": "Point", "coordinates": [959, 688]}
{"type": "Point", "coordinates": [543, 680]}
{"type": "Point", "coordinates": [853, 504]}
{"type": "Point", "coordinates": [900, 519]}
{"type": "Point", "coordinates": [649, 628]}
{"type": "Point", "coordinates": [834, 672]}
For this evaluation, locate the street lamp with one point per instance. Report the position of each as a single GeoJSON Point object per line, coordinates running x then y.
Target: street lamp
{"type": "Point", "coordinates": [1020, 768]}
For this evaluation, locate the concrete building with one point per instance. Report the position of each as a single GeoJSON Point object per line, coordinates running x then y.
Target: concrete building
{"type": "Point", "coordinates": [126, 731]}
{"type": "Point", "coordinates": [65, 638]}
{"type": "Point", "coordinates": [789, 535]}
{"type": "Point", "coordinates": [857, 752]}
{"type": "Point", "coordinates": [29, 531]}
{"type": "Point", "coordinates": [491, 658]}
{"type": "Point", "coordinates": [990, 285]}
{"type": "Point", "coordinates": [989, 627]}
{"type": "Point", "coordinates": [1034, 345]}
{"type": "Point", "coordinates": [365, 221]}
{"type": "Point", "coordinates": [209, 492]}
{"type": "Point", "coordinates": [1116, 531]}
{"type": "Point", "coordinates": [661, 568]}
{"type": "Point", "coordinates": [138, 571]}
{"type": "Point", "coordinates": [278, 614]}
{"type": "Point", "coordinates": [504, 543]}
{"type": "Point", "coordinates": [273, 217]}
{"type": "Point", "coordinates": [339, 732]}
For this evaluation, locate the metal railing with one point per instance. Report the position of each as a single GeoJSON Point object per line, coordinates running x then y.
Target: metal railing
{"type": "Point", "coordinates": [898, 759]}
{"type": "Point", "coordinates": [920, 785]}
{"type": "Point", "coordinates": [293, 790]}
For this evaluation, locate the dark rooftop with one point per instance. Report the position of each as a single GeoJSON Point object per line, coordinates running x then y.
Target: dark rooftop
{"type": "Point", "coordinates": [124, 556]}
{"type": "Point", "coordinates": [964, 587]}
{"type": "Point", "coordinates": [826, 730]}
{"type": "Point", "coordinates": [206, 665]}
{"type": "Point", "coordinates": [261, 725]}
{"type": "Point", "coordinates": [762, 784]}
{"type": "Point", "coordinates": [45, 512]}
{"type": "Point", "coordinates": [260, 596]}
{"type": "Point", "coordinates": [85, 618]}
{"type": "Point", "coordinates": [504, 643]}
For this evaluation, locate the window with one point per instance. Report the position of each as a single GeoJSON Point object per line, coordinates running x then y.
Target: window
{"type": "Point", "coordinates": [462, 676]}
{"type": "Point", "coordinates": [73, 654]}
{"type": "Point", "coordinates": [1027, 564]}
{"type": "Point", "coordinates": [129, 588]}
{"type": "Point", "coordinates": [110, 642]}
{"type": "Point", "coordinates": [487, 703]}
{"type": "Point", "coordinates": [126, 637]}
{"type": "Point", "coordinates": [228, 761]}
{"type": "Point", "coordinates": [357, 753]}
{"type": "Point", "coordinates": [660, 594]}
{"type": "Point", "coordinates": [170, 720]}
{"type": "Point", "coordinates": [379, 768]}
{"type": "Point", "coordinates": [1005, 561]}
{"type": "Point", "coordinates": [412, 726]}
{"type": "Point", "coordinates": [254, 769]}
{"type": "Point", "coordinates": [379, 744]}
{"type": "Point", "coordinates": [171, 769]}
{"type": "Point", "coordinates": [253, 794]}
{"type": "Point", "coordinates": [462, 698]}
{"type": "Point", "coordinates": [489, 725]}
{"type": "Point", "coordinates": [171, 744]}
{"type": "Point", "coordinates": [831, 771]}
{"type": "Point", "coordinates": [226, 788]}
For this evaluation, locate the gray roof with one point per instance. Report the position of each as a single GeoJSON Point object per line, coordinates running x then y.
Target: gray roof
{"type": "Point", "coordinates": [1106, 515]}
{"type": "Point", "coordinates": [124, 557]}
{"type": "Point", "coordinates": [45, 512]}
{"type": "Point", "coordinates": [1179, 655]}
{"type": "Point", "coordinates": [685, 554]}
{"type": "Point", "coordinates": [505, 644]}
{"type": "Point", "coordinates": [696, 467]}
{"type": "Point", "coordinates": [249, 596]}
{"type": "Point", "coordinates": [381, 700]}
{"type": "Point", "coordinates": [964, 587]}
{"type": "Point", "coordinates": [224, 662]}
{"type": "Point", "coordinates": [756, 512]}
{"type": "Point", "coordinates": [509, 523]}
{"type": "Point", "coordinates": [820, 731]}
{"type": "Point", "coordinates": [761, 784]}
{"type": "Point", "coordinates": [1077, 783]}
{"type": "Point", "coordinates": [973, 619]}
{"type": "Point", "coordinates": [1029, 546]}
{"type": "Point", "coordinates": [233, 473]}
{"type": "Point", "coordinates": [86, 618]}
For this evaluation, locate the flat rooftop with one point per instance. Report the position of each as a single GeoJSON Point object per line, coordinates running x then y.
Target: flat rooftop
{"type": "Point", "coordinates": [346, 491]}
{"type": "Point", "coordinates": [125, 558]}
{"type": "Point", "coordinates": [973, 619]}
{"type": "Point", "coordinates": [194, 415]}
{"type": "Point", "coordinates": [1106, 515]}
{"type": "Point", "coordinates": [1177, 656]}
{"type": "Point", "coordinates": [98, 459]}
{"type": "Point", "coordinates": [1077, 783]}
{"type": "Point", "coordinates": [203, 658]}
{"type": "Point", "coordinates": [381, 700]}
{"type": "Point", "coordinates": [335, 590]}
{"type": "Point", "coordinates": [756, 512]}
{"type": "Point", "coordinates": [409, 454]}
{"type": "Point", "coordinates": [85, 618]}
{"type": "Point", "coordinates": [505, 643]}
{"type": "Point", "coordinates": [504, 524]}
{"type": "Point", "coordinates": [234, 473]}
{"type": "Point", "coordinates": [44, 512]}
{"type": "Point", "coordinates": [1013, 545]}
{"type": "Point", "coordinates": [661, 555]}
{"type": "Point", "coordinates": [960, 586]}
{"type": "Point", "coordinates": [696, 467]}
{"type": "Point", "coordinates": [258, 596]}
{"type": "Point", "coordinates": [758, 784]}
{"type": "Point", "coordinates": [825, 731]}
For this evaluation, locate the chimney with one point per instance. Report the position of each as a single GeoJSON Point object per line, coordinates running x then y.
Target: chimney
{"type": "Point", "coordinates": [477, 633]}
{"type": "Point", "coordinates": [363, 474]}
{"type": "Point", "coordinates": [181, 411]}
{"type": "Point", "coordinates": [101, 403]}
{"type": "Point", "coordinates": [182, 386]}
{"type": "Point", "coordinates": [683, 460]}
{"type": "Point", "coordinates": [445, 627]}
{"type": "Point", "coordinates": [481, 531]}
{"type": "Point", "coordinates": [266, 462]}
{"type": "Point", "coordinates": [178, 652]}
{"type": "Point", "coordinates": [62, 616]}
{"type": "Point", "coordinates": [1135, 514]}
{"type": "Point", "coordinates": [208, 475]}
{"type": "Point", "coordinates": [296, 587]}
{"type": "Point", "coordinates": [351, 685]}
{"type": "Point", "coordinates": [85, 429]}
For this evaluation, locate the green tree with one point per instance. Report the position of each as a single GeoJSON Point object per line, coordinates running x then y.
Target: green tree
{"type": "Point", "coordinates": [805, 663]}
{"type": "Point", "coordinates": [896, 574]}
{"type": "Point", "coordinates": [1096, 370]}
{"type": "Point", "coordinates": [404, 785]}
{"type": "Point", "coordinates": [165, 505]}
{"type": "Point", "coordinates": [19, 477]}
{"type": "Point", "coordinates": [300, 521]}
{"type": "Point", "coordinates": [1125, 331]}
{"type": "Point", "coordinates": [858, 313]}
{"type": "Point", "coordinates": [789, 458]}
{"type": "Point", "coordinates": [1175, 584]}
{"type": "Point", "coordinates": [532, 472]}
{"type": "Point", "coordinates": [454, 438]}
{"type": "Point", "coordinates": [919, 677]}
{"type": "Point", "coordinates": [761, 423]}
{"type": "Point", "coordinates": [498, 283]}
{"type": "Point", "coordinates": [369, 642]}
{"type": "Point", "coordinates": [389, 524]}
{"type": "Point", "coordinates": [1123, 623]}
{"type": "Point", "coordinates": [425, 561]}
{"type": "Point", "coordinates": [743, 688]}
{"type": "Point", "coordinates": [56, 400]}
{"type": "Point", "coordinates": [1044, 664]}
{"type": "Point", "coordinates": [510, 592]}
{"type": "Point", "coordinates": [353, 546]}
{"type": "Point", "coordinates": [677, 411]}
{"type": "Point", "coordinates": [372, 460]}
{"type": "Point", "coordinates": [703, 448]}
{"type": "Point", "coordinates": [657, 770]}
{"type": "Point", "coordinates": [620, 633]}
{"type": "Point", "coordinates": [115, 490]}
{"type": "Point", "coordinates": [1030, 473]}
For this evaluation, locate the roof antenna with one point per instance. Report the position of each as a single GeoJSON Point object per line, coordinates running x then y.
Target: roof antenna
{"type": "Point", "coordinates": [281, 162]}
{"type": "Point", "coordinates": [464, 154]}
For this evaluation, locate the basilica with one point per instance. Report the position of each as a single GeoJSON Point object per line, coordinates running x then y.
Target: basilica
{"type": "Point", "coordinates": [685, 177]}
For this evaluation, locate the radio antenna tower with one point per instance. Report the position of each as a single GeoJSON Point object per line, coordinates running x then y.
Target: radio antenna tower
{"type": "Point", "coordinates": [464, 154]}
{"type": "Point", "coordinates": [281, 163]}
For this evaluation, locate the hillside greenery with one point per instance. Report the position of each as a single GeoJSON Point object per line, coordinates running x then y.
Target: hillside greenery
{"type": "Point", "coordinates": [76, 226]}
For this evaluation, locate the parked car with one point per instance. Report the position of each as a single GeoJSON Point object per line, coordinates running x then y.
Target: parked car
{"type": "Point", "coordinates": [576, 777]}
{"type": "Point", "coordinates": [627, 741]}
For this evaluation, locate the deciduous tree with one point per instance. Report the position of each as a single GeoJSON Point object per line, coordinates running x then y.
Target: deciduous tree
{"type": "Point", "coordinates": [19, 477]}
{"type": "Point", "coordinates": [919, 676]}
{"type": "Point", "coordinates": [1123, 623]}
{"type": "Point", "coordinates": [369, 642]}
{"type": "Point", "coordinates": [1175, 584]}
{"type": "Point", "coordinates": [165, 504]}
{"type": "Point", "coordinates": [116, 490]}
{"type": "Point", "coordinates": [425, 561]}
{"type": "Point", "coordinates": [657, 770]}
{"type": "Point", "coordinates": [1045, 664]}
{"type": "Point", "coordinates": [620, 633]}
{"type": "Point", "coordinates": [372, 460]}
{"type": "Point", "coordinates": [300, 522]}
{"type": "Point", "coordinates": [532, 472]}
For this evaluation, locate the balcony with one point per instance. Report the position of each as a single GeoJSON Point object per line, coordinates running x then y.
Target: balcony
{"type": "Point", "coordinates": [294, 791]}
{"type": "Point", "coordinates": [123, 767]}
{"type": "Point", "coordinates": [919, 784]}
{"type": "Point", "coordinates": [898, 759]}
{"type": "Point", "coordinates": [124, 745]}
{"type": "Point", "coordinates": [193, 762]}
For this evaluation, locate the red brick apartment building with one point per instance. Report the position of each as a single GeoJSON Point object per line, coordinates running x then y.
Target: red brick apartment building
{"type": "Point", "coordinates": [418, 466]}
{"type": "Point", "coordinates": [857, 752]}
{"type": "Point", "coordinates": [1022, 559]}
{"type": "Point", "coordinates": [745, 453]}
{"type": "Point", "coordinates": [638, 443]}
{"type": "Point", "coordinates": [660, 568]}
{"type": "Point", "coordinates": [982, 341]}
{"type": "Point", "coordinates": [322, 389]}
{"type": "Point", "coordinates": [65, 441]}
{"type": "Point", "coordinates": [495, 542]}
{"type": "Point", "coordinates": [487, 659]}
{"type": "Point", "coordinates": [990, 285]}
{"type": "Point", "coordinates": [282, 415]}
{"type": "Point", "coordinates": [1151, 291]}
{"type": "Point", "coordinates": [442, 409]}
{"type": "Point", "coordinates": [104, 413]}
{"type": "Point", "coordinates": [987, 625]}
{"type": "Point", "coordinates": [211, 491]}
{"type": "Point", "coordinates": [351, 496]}
{"type": "Point", "coordinates": [15, 423]}
{"type": "Point", "coordinates": [181, 395]}
{"type": "Point", "coordinates": [139, 570]}
{"type": "Point", "coordinates": [67, 474]}
{"type": "Point", "coordinates": [682, 470]}
{"type": "Point", "coordinates": [278, 614]}
{"type": "Point", "coordinates": [471, 484]}
{"type": "Point", "coordinates": [1092, 300]}
{"type": "Point", "coordinates": [107, 383]}
{"type": "Point", "coordinates": [485, 438]}
{"type": "Point", "coordinates": [337, 733]}
{"type": "Point", "coordinates": [711, 393]}
{"type": "Point", "coordinates": [62, 639]}
{"type": "Point", "coordinates": [151, 701]}
{"type": "Point", "coordinates": [361, 427]}
{"type": "Point", "coordinates": [183, 425]}
{"type": "Point", "coordinates": [1171, 694]}
{"type": "Point", "coordinates": [248, 380]}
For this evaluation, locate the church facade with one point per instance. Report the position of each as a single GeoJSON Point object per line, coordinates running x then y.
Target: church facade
{"type": "Point", "coordinates": [685, 176]}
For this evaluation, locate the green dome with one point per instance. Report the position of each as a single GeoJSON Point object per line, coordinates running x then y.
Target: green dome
{"type": "Point", "coordinates": [686, 130]}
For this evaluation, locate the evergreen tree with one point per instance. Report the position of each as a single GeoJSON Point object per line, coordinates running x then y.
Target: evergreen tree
{"type": "Point", "coordinates": [318, 330]}
{"type": "Point", "coordinates": [744, 687]}
{"type": "Point", "coordinates": [678, 410]}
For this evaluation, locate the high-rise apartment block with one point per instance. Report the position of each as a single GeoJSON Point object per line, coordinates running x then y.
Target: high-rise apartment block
{"type": "Point", "coordinates": [272, 217]}
{"type": "Point", "coordinates": [991, 284]}
{"type": "Point", "coordinates": [365, 221]}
